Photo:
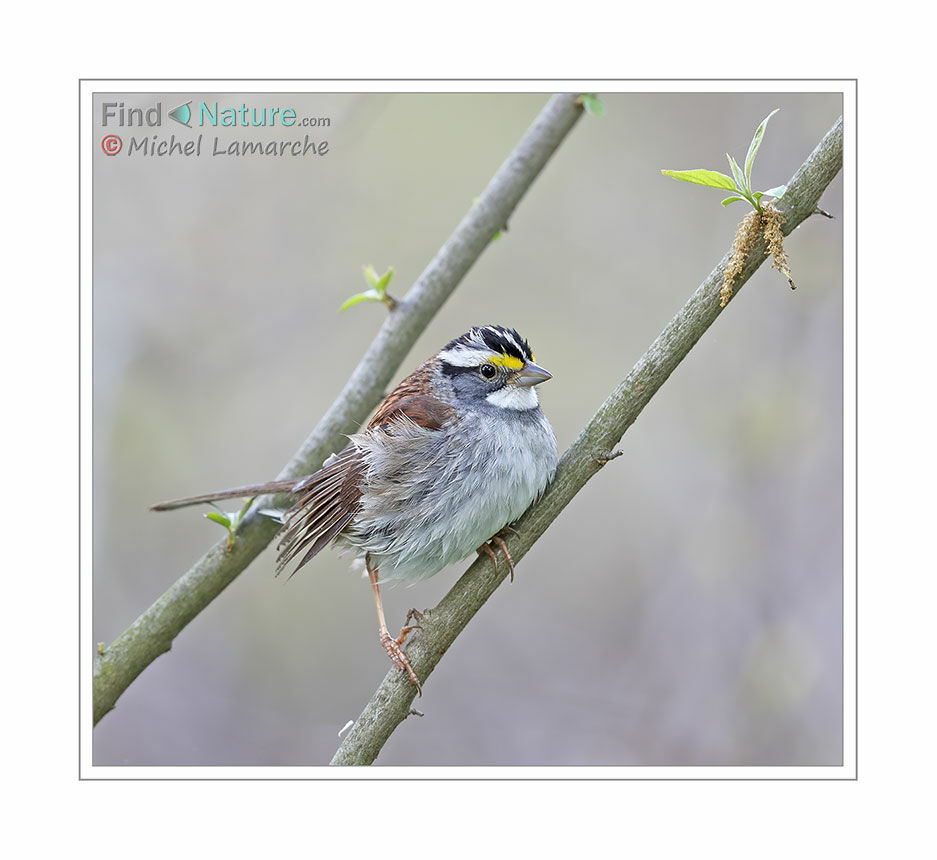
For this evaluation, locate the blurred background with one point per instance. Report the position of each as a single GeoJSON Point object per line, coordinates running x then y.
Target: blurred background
{"type": "Point", "coordinates": [685, 609]}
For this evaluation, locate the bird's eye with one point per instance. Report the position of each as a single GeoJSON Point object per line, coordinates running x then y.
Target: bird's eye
{"type": "Point", "coordinates": [488, 371]}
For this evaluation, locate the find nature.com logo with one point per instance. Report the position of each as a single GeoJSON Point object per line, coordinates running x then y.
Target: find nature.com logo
{"type": "Point", "coordinates": [215, 116]}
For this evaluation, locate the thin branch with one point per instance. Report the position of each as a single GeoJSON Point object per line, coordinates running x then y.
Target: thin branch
{"type": "Point", "coordinates": [391, 703]}
{"type": "Point", "coordinates": [152, 633]}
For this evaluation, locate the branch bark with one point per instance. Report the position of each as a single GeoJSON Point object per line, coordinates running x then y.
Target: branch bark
{"type": "Point", "coordinates": [152, 634]}
{"type": "Point", "coordinates": [391, 703]}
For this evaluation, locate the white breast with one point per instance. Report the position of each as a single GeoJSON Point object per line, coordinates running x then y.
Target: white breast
{"type": "Point", "coordinates": [470, 483]}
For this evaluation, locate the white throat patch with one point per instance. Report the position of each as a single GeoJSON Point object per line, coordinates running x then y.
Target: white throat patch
{"type": "Point", "coordinates": [514, 397]}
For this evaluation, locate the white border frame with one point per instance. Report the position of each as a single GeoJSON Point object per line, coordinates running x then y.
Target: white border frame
{"type": "Point", "coordinates": [848, 88]}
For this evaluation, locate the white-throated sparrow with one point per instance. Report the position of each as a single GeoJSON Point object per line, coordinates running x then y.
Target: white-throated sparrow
{"type": "Point", "coordinates": [455, 452]}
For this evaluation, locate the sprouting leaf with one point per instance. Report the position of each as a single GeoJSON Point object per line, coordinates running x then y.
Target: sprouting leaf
{"type": "Point", "coordinates": [384, 280]}
{"type": "Point", "coordinates": [737, 173]}
{"type": "Point", "coordinates": [369, 296]}
{"type": "Point", "coordinates": [377, 294]}
{"type": "Point", "coordinates": [776, 192]}
{"type": "Point", "coordinates": [593, 104]}
{"type": "Point", "coordinates": [230, 521]}
{"type": "Point", "coordinates": [709, 178]}
{"type": "Point", "coordinates": [729, 200]}
{"type": "Point", "coordinates": [758, 195]}
{"type": "Point", "coordinates": [379, 282]}
{"type": "Point", "coordinates": [243, 512]}
{"type": "Point", "coordinates": [753, 146]}
{"type": "Point", "coordinates": [219, 518]}
{"type": "Point", "coordinates": [370, 275]}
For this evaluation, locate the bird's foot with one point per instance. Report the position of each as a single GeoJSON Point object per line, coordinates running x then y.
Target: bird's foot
{"type": "Point", "coordinates": [412, 615]}
{"type": "Point", "coordinates": [499, 541]}
{"type": "Point", "coordinates": [398, 657]}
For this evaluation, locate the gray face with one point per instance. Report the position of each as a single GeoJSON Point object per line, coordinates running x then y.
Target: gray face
{"type": "Point", "coordinates": [491, 367]}
{"type": "Point", "coordinates": [472, 385]}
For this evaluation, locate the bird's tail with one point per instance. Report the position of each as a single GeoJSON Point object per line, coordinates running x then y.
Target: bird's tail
{"type": "Point", "coordinates": [244, 492]}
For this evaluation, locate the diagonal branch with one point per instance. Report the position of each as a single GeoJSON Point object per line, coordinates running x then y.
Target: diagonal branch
{"type": "Point", "coordinates": [391, 703]}
{"type": "Point", "coordinates": [152, 633]}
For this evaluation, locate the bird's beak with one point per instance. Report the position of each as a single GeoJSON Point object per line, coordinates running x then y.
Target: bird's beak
{"type": "Point", "coordinates": [530, 374]}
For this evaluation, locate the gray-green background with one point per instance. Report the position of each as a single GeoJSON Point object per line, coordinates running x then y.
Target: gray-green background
{"type": "Point", "coordinates": [685, 609]}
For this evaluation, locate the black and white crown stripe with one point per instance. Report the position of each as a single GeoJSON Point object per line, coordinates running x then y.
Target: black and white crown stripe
{"type": "Point", "coordinates": [476, 346]}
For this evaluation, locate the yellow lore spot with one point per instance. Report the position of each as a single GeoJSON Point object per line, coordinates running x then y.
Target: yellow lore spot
{"type": "Point", "coordinates": [508, 361]}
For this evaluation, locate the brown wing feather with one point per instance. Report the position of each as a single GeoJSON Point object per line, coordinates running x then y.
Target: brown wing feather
{"type": "Point", "coordinates": [328, 500]}
{"type": "Point", "coordinates": [325, 504]}
{"type": "Point", "coordinates": [411, 400]}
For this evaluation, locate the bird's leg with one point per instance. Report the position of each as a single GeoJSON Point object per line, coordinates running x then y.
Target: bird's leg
{"type": "Point", "coordinates": [391, 646]}
{"type": "Point", "coordinates": [486, 548]}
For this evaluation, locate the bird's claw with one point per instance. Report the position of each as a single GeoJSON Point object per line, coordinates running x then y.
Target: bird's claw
{"type": "Point", "coordinates": [486, 548]}
{"type": "Point", "coordinates": [412, 615]}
